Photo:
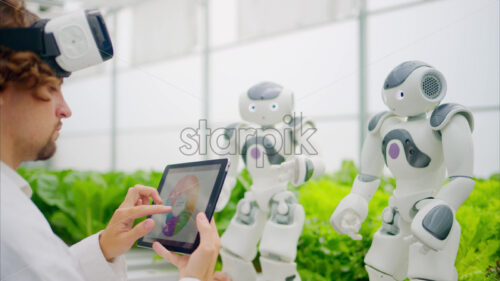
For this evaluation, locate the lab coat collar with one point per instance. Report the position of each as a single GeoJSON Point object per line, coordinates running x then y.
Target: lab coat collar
{"type": "Point", "coordinates": [16, 179]}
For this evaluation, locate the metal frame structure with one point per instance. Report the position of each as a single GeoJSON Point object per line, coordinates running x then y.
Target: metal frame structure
{"type": "Point", "coordinates": [363, 75]}
{"type": "Point", "coordinates": [208, 50]}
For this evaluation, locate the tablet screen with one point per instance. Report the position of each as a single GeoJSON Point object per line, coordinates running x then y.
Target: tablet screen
{"type": "Point", "coordinates": [188, 191]}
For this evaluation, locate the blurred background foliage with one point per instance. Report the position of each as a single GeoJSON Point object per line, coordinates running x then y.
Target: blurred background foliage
{"type": "Point", "coordinates": [80, 203]}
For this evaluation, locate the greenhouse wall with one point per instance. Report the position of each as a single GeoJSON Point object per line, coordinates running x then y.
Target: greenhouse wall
{"type": "Point", "coordinates": [156, 100]}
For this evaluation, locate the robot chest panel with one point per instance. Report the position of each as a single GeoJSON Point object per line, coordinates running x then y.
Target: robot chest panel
{"type": "Point", "coordinates": [264, 148]}
{"type": "Point", "coordinates": [411, 146]}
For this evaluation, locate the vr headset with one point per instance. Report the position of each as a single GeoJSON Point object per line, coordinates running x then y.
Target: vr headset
{"type": "Point", "coordinates": [67, 43]}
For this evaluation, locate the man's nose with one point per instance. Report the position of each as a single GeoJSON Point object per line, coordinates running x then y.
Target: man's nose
{"type": "Point", "coordinates": [63, 111]}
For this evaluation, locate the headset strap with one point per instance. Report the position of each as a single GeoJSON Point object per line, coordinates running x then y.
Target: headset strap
{"type": "Point", "coordinates": [22, 39]}
{"type": "Point", "coordinates": [30, 39]}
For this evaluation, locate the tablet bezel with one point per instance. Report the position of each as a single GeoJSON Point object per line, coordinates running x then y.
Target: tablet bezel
{"type": "Point", "coordinates": [184, 247]}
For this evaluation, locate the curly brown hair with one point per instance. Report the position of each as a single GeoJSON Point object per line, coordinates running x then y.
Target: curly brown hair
{"type": "Point", "coordinates": [21, 69]}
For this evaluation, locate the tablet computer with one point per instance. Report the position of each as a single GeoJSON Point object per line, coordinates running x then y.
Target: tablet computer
{"type": "Point", "coordinates": [189, 188]}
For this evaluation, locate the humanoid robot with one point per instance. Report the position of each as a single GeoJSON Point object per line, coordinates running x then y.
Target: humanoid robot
{"type": "Point", "coordinates": [420, 235]}
{"type": "Point", "coordinates": [268, 146]}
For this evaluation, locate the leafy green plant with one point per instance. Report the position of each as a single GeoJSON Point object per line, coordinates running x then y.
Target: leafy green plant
{"type": "Point", "coordinates": [323, 254]}
{"type": "Point", "coordinates": [493, 272]}
{"type": "Point", "coordinates": [479, 218]}
{"type": "Point", "coordinates": [78, 204]}
{"type": "Point", "coordinates": [224, 217]}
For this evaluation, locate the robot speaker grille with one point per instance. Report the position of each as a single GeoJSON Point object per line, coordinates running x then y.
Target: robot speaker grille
{"type": "Point", "coordinates": [431, 86]}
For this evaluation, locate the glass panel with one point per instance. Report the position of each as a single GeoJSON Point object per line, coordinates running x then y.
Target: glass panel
{"type": "Point", "coordinates": [459, 38]}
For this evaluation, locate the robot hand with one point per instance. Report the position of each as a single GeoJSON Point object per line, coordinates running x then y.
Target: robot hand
{"type": "Point", "coordinates": [298, 170]}
{"type": "Point", "coordinates": [433, 224]}
{"type": "Point", "coordinates": [225, 193]}
{"type": "Point", "coordinates": [349, 214]}
{"type": "Point", "coordinates": [287, 171]}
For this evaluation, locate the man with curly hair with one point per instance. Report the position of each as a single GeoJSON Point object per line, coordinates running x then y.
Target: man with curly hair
{"type": "Point", "coordinates": [32, 108]}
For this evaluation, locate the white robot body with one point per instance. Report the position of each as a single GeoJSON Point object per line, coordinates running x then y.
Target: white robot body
{"type": "Point", "coordinates": [275, 270]}
{"type": "Point", "coordinates": [413, 183]}
{"type": "Point", "coordinates": [248, 233]}
{"type": "Point", "coordinates": [419, 237]}
{"type": "Point", "coordinates": [286, 223]}
{"type": "Point", "coordinates": [268, 212]}
{"type": "Point", "coordinates": [238, 266]}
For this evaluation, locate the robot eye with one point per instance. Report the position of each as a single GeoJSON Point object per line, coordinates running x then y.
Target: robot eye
{"type": "Point", "coordinates": [274, 106]}
{"type": "Point", "coordinates": [252, 107]}
{"type": "Point", "coordinates": [400, 95]}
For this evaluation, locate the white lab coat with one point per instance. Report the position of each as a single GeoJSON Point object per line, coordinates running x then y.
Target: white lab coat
{"type": "Point", "coordinates": [29, 249]}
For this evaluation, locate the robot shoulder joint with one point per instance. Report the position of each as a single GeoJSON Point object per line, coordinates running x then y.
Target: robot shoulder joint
{"type": "Point", "coordinates": [377, 121]}
{"type": "Point", "coordinates": [297, 122]}
{"type": "Point", "coordinates": [230, 130]}
{"type": "Point", "coordinates": [442, 115]}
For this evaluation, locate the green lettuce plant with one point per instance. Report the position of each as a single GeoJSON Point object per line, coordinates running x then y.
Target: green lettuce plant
{"type": "Point", "coordinates": [323, 254]}
{"type": "Point", "coordinates": [80, 203]}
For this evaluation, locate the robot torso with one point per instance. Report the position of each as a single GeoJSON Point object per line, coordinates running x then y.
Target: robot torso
{"type": "Point", "coordinates": [413, 152]}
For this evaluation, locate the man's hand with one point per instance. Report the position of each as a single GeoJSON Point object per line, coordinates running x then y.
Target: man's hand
{"type": "Point", "coordinates": [119, 236]}
{"type": "Point", "coordinates": [201, 263]}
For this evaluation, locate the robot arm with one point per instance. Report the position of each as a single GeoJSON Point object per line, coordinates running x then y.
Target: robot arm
{"type": "Point", "coordinates": [458, 156]}
{"type": "Point", "coordinates": [353, 209]}
{"type": "Point", "coordinates": [305, 163]}
{"type": "Point", "coordinates": [435, 219]}
{"type": "Point", "coordinates": [231, 151]}
{"type": "Point", "coordinates": [372, 165]}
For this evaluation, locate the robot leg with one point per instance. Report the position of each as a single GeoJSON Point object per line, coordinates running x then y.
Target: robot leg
{"type": "Point", "coordinates": [435, 265]}
{"type": "Point", "coordinates": [375, 275]}
{"type": "Point", "coordinates": [278, 270]}
{"type": "Point", "coordinates": [237, 268]}
{"type": "Point", "coordinates": [239, 241]}
{"type": "Point", "coordinates": [387, 258]}
{"type": "Point", "coordinates": [278, 246]}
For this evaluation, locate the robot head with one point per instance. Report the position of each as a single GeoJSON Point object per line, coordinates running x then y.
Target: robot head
{"type": "Point", "coordinates": [266, 104]}
{"type": "Point", "coordinates": [413, 88]}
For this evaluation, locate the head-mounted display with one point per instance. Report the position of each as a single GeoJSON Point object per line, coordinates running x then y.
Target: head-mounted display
{"type": "Point", "coordinates": [66, 43]}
